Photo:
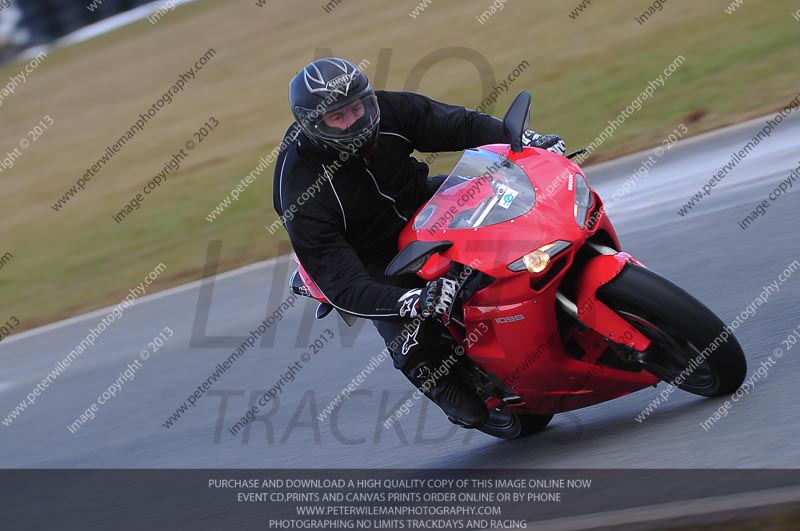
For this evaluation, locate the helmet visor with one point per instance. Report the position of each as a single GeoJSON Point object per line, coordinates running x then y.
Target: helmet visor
{"type": "Point", "coordinates": [349, 121]}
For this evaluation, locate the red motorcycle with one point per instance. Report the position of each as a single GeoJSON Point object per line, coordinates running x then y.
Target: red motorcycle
{"type": "Point", "coordinates": [551, 314]}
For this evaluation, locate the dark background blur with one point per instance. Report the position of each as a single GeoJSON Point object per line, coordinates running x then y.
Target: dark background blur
{"type": "Point", "coordinates": [34, 22]}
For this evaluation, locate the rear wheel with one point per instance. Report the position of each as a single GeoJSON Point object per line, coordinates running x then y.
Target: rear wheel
{"type": "Point", "coordinates": [508, 425]}
{"type": "Point", "coordinates": [503, 424]}
{"type": "Point", "coordinates": [688, 342]}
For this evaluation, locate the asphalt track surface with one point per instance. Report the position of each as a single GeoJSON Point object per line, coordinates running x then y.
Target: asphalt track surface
{"type": "Point", "coordinates": [705, 252]}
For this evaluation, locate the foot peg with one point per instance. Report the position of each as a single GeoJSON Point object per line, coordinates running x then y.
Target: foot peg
{"type": "Point", "coordinates": [513, 399]}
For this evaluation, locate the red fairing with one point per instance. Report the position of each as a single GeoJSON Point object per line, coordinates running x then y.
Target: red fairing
{"type": "Point", "coordinates": [493, 247]}
{"type": "Point", "coordinates": [313, 290]}
{"type": "Point", "coordinates": [510, 326]}
{"type": "Point", "coordinates": [594, 313]}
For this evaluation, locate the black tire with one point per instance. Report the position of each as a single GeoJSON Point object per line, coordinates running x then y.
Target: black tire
{"type": "Point", "coordinates": [508, 426]}
{"type": "Point", "coordinates": [680, 327]}
{"type": "Point", "coordinates": [533, 423]}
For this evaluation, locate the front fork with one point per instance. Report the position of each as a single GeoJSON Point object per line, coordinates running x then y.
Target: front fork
{"type": "Point", "coordinates": [593, 313]}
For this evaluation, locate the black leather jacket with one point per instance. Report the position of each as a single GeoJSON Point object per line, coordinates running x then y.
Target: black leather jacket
{"type": "Point", "coordinates": [344, 217]}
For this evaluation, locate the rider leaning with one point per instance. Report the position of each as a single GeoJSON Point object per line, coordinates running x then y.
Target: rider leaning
{"type": "Point", "coordinates": [345, 187]}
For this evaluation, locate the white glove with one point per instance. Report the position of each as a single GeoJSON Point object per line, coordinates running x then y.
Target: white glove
{"type": "Point", "coordinates": [551, 143]}
{"type": "Point", "coordinates": [436, 298]}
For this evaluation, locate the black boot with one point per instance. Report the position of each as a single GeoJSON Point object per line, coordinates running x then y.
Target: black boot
{"type": "Point", "coordinates": [437, 378]}
{"type": "Point", "coordinates": [441, 384]}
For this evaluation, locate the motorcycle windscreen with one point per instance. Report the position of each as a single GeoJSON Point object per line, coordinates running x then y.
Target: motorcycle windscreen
{"type": "Point", "coordinates": [485, 188]}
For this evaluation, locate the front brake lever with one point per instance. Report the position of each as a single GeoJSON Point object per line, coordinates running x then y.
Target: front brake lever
{"type": "Point", "coordinates": [574, 154]}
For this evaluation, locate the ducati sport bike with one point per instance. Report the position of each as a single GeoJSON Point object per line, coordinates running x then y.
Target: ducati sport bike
{"type": "Point", "coordinates": [550, 313]}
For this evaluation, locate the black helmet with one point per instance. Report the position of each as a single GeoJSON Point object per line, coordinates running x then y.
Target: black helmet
{"type": "Point", "coordinates": [326, 86]}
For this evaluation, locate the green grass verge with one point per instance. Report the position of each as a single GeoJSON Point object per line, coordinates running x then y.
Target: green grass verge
{"type": "Point", "coordinates": [582, 72]}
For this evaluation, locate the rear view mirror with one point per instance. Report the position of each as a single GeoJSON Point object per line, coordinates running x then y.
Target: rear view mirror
{"type": "Point", "coordinates": [516, 120]}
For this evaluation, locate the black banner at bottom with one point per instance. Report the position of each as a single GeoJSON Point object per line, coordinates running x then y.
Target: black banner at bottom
{"type": "Point", "coordinates": [388, 499]}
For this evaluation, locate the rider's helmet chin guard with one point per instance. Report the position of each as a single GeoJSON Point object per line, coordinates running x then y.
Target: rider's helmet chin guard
{"type": "Point", "coordinates": [325, 86]}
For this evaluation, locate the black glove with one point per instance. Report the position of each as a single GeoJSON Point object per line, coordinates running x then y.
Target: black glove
{"type": "Point", "coordinates": [551, 143]}
{"type": "Point", "coordinates": [435, 181]}
{"type": "Point", "coordinates": [436, 298]}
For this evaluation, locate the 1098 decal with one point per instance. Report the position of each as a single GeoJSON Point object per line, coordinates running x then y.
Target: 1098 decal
{"type": "Point", "coordinates": [510, 319]}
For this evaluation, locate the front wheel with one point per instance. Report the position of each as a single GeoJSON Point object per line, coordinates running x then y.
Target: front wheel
{"type": "Point", "coordinates": [690, 346]}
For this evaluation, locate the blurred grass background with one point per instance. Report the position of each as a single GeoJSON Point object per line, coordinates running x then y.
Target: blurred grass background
{"type": "Point", "coordinates": [582, 73]}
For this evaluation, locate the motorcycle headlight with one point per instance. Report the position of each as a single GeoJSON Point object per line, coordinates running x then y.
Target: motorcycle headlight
{"type": "Point", "coordinates": [538, 260]}
{"type": "Point", "coordinates": [583, 200]}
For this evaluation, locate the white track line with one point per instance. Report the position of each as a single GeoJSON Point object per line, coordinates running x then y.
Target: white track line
{"type": "Point", "coordinates": [102, 312]}
{"type": "Point", "coordinates": [731, 130]}
{"type": "Point", "coordinates": [101, 27]}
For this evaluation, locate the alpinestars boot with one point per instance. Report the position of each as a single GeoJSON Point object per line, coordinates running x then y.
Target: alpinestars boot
{"type": "Point", "coordinates": [443, 386]}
